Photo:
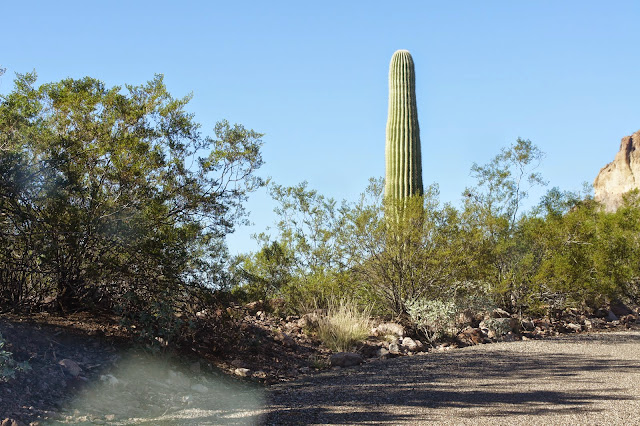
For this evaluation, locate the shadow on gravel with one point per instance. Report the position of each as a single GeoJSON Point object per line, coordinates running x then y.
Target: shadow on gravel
{"type": "Point", "coordinates": [500, 381]}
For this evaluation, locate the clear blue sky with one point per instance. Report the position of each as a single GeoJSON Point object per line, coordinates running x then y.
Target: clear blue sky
{"type": "Point", "coordinates": [312, 76]}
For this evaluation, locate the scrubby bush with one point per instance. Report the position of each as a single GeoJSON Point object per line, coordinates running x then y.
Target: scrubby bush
{"type": "Point", "coordinates": [113, 198]}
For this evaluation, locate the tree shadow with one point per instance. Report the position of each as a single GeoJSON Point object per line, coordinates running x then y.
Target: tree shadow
{"type": "Point", "coordinates": [493, 381]}
{"type": "Point", "coordinates": [118, 384]}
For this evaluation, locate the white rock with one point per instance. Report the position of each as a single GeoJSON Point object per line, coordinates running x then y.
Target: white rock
{"type": "Point", "coordinates": [242, 372]}
{"type": "Point", "coordinates": [574, 327]}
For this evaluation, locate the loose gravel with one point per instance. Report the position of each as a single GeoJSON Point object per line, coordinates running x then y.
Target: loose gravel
{"type": "Point", "coordinates": [579, 379]}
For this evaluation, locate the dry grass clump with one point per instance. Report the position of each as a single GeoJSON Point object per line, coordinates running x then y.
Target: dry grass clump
{"type": "Point", "coordinates": [344, 326]}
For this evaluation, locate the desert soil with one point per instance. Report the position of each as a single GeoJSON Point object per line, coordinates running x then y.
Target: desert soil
{"type": "Point", "coordinates": [588, 378]}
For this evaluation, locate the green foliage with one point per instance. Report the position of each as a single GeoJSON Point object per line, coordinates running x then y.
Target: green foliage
{"type": "Point", "coordinates": [428, 262]}
{"type": "Point", "coordinates": [113, 197]}
{"type": "Point", "coordinates": [492, 213]}
{"type": "Point", "coordinates": [307, 260]}
{"type": "Point", "coordinates": [412, 256]}
{"type": "Point", "coordinates": [403, 152]}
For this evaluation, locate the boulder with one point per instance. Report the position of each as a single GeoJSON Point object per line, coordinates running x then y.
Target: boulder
{"type": "Point", "coordinates": [619, 309]}
{"type": "Point", "coordinates": [70, 367]}
{"type": "Point", "coordinates": [471, 336]}
{"type": "Point", "coordinates": [345, 359]}
{"type": "Point", "coordinates": [409, 343]}
{"type": "Point", "coordinates": [394, 349]}
{"type": "Point", "coordinates": [621, 175]}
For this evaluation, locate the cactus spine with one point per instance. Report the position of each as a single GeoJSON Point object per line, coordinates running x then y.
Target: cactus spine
{"type": "Point", "coordinates": [402, 151]}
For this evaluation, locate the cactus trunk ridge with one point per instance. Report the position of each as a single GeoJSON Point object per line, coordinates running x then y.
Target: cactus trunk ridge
{"type": "Point", "coordinates": [402, 151]}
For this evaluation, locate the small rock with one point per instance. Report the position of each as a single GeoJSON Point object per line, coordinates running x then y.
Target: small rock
{"type": "Point", "coordinates": [388, 328]}
{"type": "Point", "coordinates": [70, 367]}
{"type": "Point", "coordinates": [345, 359]}
{"type": "Point", "coordinates": [574, 327]}
{"type": "Point", "coordinates": [285, 339]}
{"type": "Point", "coordinates": [110, 417]}
{"type": "Point", "coordinates": [409, 343]}
{"type": "Point", "coordinates": [510, 337]}
{"type": "Point", "coordinates": [394, 349]}
{"type": "Point", "coordinates": [593, 323]}
{"type": "Point", "coordinates": [259, 374]}
{"type": "Point", "coordinates": [199, 388]}
{"type": "Point", "coordinates": [383, 353]}
{"type": "Point", "coordinates": [242, 372]}
{"type": "Point", "coordinates": [11, 422]}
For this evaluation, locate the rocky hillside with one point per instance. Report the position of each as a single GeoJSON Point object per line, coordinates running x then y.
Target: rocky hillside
{"type": "Point", "coordinates": [621, 175]}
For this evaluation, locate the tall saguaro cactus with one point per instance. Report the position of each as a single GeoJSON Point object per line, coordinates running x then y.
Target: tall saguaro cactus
{"type": "Point", "coordinates": [402, 151]}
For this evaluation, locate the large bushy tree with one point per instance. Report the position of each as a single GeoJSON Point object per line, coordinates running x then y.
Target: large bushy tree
{"type": "Point", "coordinates": [111, 194]}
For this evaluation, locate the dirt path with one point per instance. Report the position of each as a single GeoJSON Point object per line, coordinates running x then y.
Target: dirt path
{"type": "Point", "coordinates": [583, 379]}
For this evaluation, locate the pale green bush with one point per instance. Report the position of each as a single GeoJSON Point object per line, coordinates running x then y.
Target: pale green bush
{"type": "Point", "coordinates": [435, 318]}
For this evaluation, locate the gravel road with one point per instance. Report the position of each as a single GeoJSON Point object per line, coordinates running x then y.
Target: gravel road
{"type": "Point", "coordinates": [579, 379]}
